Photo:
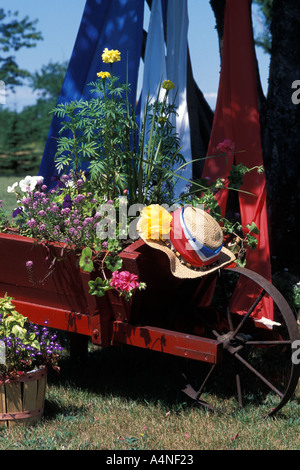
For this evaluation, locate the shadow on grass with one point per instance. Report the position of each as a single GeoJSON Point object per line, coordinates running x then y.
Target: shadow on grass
{"type": "Point", "coordinates": [128, 372]}
{"type": "Point", "coordinates": [149, 377]}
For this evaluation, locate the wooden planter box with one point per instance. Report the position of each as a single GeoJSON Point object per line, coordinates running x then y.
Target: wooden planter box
{"type": "Point", "coordinates": [63, 300]}
{"type": "Point", "coordinates": [22, 398]}
{"type": "Point", "coordinates": [60, 298]}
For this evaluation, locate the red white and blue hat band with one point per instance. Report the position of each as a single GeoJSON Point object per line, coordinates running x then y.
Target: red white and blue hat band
{"type": "Point", "coordinates": [191, 249]}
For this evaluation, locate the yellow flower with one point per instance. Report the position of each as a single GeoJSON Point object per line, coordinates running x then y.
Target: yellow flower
{"type": "Point", "coordinates": [103, 74]}
{"type": "Point", "coordinates": [110, 56]}
{"type": "Point", "coordinates": [168, 85]}
{"type": "Point", "coordinates": [154, 222]}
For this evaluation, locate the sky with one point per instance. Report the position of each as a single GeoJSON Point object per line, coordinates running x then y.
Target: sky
{"type": "Point", "coordinates": [59, 21]}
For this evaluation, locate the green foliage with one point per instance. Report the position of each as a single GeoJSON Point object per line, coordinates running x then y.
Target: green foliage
{"type": "Point", "coordinates": [99, 287]}
{"type": "Point", "coordinates": [86, 262]}
{"type": "Point", "coordinates": [23, 134]}
{"type": "Point", "coordinates": [102, 132]}
{"type": "Point", "coordinates": [264, 39]}
{"type": "Point", "coordinates": [26, 346]}
{"type": "Point", "coordinates": [15, 33]}
{"type": "Point", "coordinates": [48, 81]}
{"type": "Point", "coordinates": [113, 263]}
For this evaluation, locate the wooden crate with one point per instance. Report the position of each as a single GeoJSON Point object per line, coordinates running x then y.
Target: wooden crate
{"type": "Point", "coordinates": [22, 398]}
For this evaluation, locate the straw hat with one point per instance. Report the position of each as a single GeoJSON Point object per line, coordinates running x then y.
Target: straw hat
{"type": "Point", "coordinates": [190, 237]}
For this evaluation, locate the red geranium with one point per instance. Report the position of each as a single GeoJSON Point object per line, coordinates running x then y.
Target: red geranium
{"type": "Point", "coordinates": [124, 280]}
{"type": "Point", "coordinates": [227, 146]}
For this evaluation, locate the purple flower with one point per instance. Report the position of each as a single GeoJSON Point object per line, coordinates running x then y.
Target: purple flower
{"type": "Point", "coordinates": [25, 200]}
{"type": "Point", "coordinates": [65, 211]}
{"type": "Point", "coordinates": [17, 211]}
{"type": "Point", "coordinates": [53, 207]}
{"type": "Point", "coordinates": [31, 223]}
{"type": "Point", "coordinates": [41, 213]}
{"type": "Point", "coordinates": [73, 231]}
{"type": "Point", "coordinates": [87, 220]}
{"type": "Point", "coordinates": [78, 198]}
{"type": "Point", "coordinates": [67, 202]}
{"type": "Point", "coordinates": [29, 264]}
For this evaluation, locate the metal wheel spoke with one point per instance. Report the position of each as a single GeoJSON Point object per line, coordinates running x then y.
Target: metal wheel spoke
{"type": "Point", "coordinates": [268, 343]}
{"type": "Point", "coordinates": [238, 383]}
{"type": "Point", "coordinates": [261, 377]}
{"type": "Point", "coordinates": [198, 393]}
{"type": "Point", "coordinates": [251, 309]}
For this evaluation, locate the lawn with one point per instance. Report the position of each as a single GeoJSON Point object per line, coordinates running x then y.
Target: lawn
{"type": "Point", "coordinates": [9, 200]}
{"type": "Point", "coordinates": [130, 399]}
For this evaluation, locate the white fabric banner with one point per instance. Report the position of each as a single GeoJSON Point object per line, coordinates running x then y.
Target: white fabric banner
{"type": "Point", "coordinates": [177, 47]}
{"type": "Point", "coordinates": [169, 63]}
{"type": "Point", "coordinates": [155, 57]}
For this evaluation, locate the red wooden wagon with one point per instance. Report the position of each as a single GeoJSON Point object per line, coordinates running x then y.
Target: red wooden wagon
{"type": "Point", "coordinates": [168, 316]}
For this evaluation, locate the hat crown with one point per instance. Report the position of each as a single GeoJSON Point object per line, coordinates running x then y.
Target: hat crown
{"type": "Point", "coordinates": [203, 227]}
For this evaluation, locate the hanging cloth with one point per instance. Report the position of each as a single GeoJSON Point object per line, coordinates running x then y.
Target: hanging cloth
{"type": "Point", "coordinates": [177, 54]}
{"type": "Point", "coordinates": [116, 24]}
{"type": "Point", "coordinates": [237, 119]}
{"type": "Point", "coordinates": [155, 60]}
{"type": "Point", "coordinates": [170, 59]}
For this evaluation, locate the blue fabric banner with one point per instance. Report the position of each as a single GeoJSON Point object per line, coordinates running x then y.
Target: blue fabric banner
{"type": "Point", "coordinates": [115, 24]}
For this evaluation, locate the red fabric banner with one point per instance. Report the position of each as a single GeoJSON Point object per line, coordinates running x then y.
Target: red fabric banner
{"type": "Point", "coordinates": [237, 119]}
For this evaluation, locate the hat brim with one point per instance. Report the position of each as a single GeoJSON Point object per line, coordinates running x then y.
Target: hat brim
{"type": "Point", "coordinates": [180, 270]}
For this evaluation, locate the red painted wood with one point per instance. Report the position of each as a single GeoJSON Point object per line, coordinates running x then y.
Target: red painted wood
{"type": "Point", "coordinates": [61, 297]}
{"type": "Point", "coordinates": [63, 300]}
{"type": "Point", "coordinates": [58, 319]}
{"type": "Point", "coordinates": [166, 341]}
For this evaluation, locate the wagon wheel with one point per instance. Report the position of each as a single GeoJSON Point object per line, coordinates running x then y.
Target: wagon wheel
{"type": "Point", "coordinates": [258, 351]}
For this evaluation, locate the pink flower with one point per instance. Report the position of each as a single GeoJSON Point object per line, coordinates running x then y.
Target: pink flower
{"type": "Point", "coordinates": [124, 281]}
{"type": "Point", "coordinates": [227, 146]}
{"type": "Point", "coordinates": [29, 264]}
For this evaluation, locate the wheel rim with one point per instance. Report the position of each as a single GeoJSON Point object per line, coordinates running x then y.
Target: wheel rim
{"type": "Point", "coordinates": [248, 346]}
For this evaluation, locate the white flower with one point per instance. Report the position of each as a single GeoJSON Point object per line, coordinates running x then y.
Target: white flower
{"type": "Point", "coordinates": [11, 189]}
{"type": "Point", "coordinates": [30, 182]}
{"type": "Point", "coordinates": [267, 322]}
{"type": "Point", "coordinates": [70, 184]}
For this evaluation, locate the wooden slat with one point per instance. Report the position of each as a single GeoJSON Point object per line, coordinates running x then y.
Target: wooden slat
{"type": "Point", "coordinates": [41, 390]}
{"type": "Point", "coordinates": [2, 402]}
{"type": "Point", "coordinates": [13, 393]}
{"type": "Point", "coordinates": [29, 398]}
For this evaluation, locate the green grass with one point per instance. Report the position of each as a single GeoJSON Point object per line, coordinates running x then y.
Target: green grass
{"type": "Point", "coordinates": [9, 200]}
{"type": "Point", "coordinates": [127, 398]}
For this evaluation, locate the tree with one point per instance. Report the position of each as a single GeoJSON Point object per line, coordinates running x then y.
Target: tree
{"type": "Point", "coordinates": [49, 79]}
{"type": "Point", "coordinates": [14, 35]}
{"type": "Point", "coordinates": [280, 124]}
{"type": "Point", "coordinates": [264, 39]}
{"type": "Point", "coordinates": [23, 134]}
